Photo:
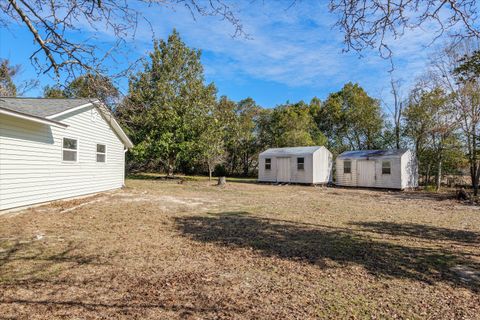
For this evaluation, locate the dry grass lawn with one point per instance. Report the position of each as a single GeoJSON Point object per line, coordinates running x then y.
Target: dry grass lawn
{"type": "Point", "coordinates": [163, 250]}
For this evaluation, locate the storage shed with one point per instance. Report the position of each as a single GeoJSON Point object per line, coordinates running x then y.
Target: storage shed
{"type": "Point", "coordinates": [391, 169]}
{"type": "Point", "coordinates": [311, 165]}
{"type": "Point", "coordinates": [58, 148]}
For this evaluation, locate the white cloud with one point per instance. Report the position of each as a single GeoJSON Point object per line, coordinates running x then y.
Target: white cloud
{"type": "Point", "coordinates": [296, 47]}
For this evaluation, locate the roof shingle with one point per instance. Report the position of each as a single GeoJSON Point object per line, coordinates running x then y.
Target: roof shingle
{"type": "Point", "coordinates": [40, 107]}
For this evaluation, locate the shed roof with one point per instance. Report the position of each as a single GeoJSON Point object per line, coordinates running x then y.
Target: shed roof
{"type": "Point", "coordinates": [360, 154]}
{"type": "Point", "coordinates": [41, 107]}
{"type": "Point", "coordinates": [291, 151]}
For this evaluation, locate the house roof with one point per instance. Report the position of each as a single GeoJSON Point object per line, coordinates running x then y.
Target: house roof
{"type": "Point", "coordinates": [46, 110]}
{"type": "Point", "coordinates": [360, 154]}
{"type": "Point", "coordinates": [41, 107]}
{"type": "Point", "coordinates": [291, 151]}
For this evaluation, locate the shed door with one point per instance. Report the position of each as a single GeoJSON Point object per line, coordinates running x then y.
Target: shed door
{"type": "Point", "coordinates": [283, 169]}
{"type": "Point", "coordinates": [366, 173]}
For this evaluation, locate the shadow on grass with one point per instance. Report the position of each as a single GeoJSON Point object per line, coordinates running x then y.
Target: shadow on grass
{"type": "Point", "coordinates": [32, 260]}
{"type": "Point", "coordinates": [242, 180]}
{"type": "Point", "coordinates": [425, 195]}
{"type": "Point", "coordinates": [316, 245]}
{"type": "Point", "coordinates": [125, 307]}
{"type": "Point", "coordinates": [420, 231]}
{"type": "Point", "coordinates": [144, 176]}
{"type": "Point", "coordinates": [33, 266]}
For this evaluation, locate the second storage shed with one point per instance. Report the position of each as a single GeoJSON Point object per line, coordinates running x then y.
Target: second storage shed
{"type": "Point", "coordinates": [296, 165]}
{"type": "Point", "coordinates": [391, 169]}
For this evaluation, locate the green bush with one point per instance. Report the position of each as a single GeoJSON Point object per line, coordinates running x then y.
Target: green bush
{"type": "Point", "coordinates": [430, 188]}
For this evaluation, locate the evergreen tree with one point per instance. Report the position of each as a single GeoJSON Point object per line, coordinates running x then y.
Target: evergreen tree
{"type": "Point", "coordinates": [166, 105]}
{"type": "Point", "coordinates": [7, 72]}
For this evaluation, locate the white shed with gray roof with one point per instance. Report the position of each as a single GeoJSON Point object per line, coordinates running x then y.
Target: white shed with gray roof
{"type": "Point", "coordinates": [58, 148]}
{"type": "Point", "coordinates": [312, 165]}
{"type": "Point", "coordinates": [390, 169]}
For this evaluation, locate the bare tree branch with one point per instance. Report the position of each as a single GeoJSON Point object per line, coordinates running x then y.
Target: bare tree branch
{"type": "Point", "coordinates": [53, 25]}
{"type": "Point", "coordinates": [371, 23]}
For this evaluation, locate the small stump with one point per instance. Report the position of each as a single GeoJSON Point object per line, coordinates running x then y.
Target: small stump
{"type": "Point", "coordinates": [222, 181]}
{"type": "Point", "coordinates": [462, 195]}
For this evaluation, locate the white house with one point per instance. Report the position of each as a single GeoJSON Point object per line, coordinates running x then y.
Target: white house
{"type": "Point", "coordinates": [296, 165]}
{"type": "Point", "coordinates": [391, 169]}
{"type": "Point", "coordinates": [58, 148]}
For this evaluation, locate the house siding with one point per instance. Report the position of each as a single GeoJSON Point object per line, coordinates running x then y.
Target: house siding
{"type": "Point", "coordinates": [31, 166]}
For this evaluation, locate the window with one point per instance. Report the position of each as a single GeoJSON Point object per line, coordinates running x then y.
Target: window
{"type": "Point", "coordinates": [268, 164]}
{"type": "Point", "coordinates": [386, 167]}
{"type": "Point", "coordinates": [70, 150]}
{"type": "Point", "coordinates": [300, 163]}
{"type": "Point", "coordinates": [101, 152]}
{"type": "Point", "coordinates": [347, 167]}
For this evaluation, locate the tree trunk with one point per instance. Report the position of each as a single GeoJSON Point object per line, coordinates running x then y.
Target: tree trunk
{"type": "Point", "coordinates": [222, 181]}
{"type": "Point", "coordinates": [474, 165]}
{"type": "Point", "coordinates": [427, 174]}
{"type": "Point", "coordinates": [245, 164]}
{"type": "Point", "coordinates": [476, 181]}
{"type": "Point", "coordinates": [439, 174]}
{"type": "Point", "coordinates": [209, 172]}
{"type": "Point", "coordinates": [397, 135]}
{"type": "Point", "coordinates": [170, 169]}
{"type": "Point", "coordinates": [473, 176]}
{"type": "Point", "coordinates": [233, 164]}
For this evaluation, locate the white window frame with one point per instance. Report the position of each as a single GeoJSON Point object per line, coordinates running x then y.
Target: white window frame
{"type": "Point", "coordinates": [76, 150]}
{"type": "Point", "coordinates": [104, 153]}
{"type": "Point", "coordinates": [389, 165]}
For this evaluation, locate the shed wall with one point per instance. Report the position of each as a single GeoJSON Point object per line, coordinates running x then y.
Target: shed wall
{"type": "Point", "coordinates": [31, 166]}
{"type": "Point", "coordinates": [267, 175]}
{"type": "Point", "coordinates": [409, 170]}
{"type": "Point", "coordinates": [305, 175]}
{"type": "Point", "coordinates": [297, 176]}
{"type": "Point", "coordinates": [345, 179]}
{"type": "Point", "coordinates": [393, 180]}
{"type": "Point", "coordinates": [322, 168]}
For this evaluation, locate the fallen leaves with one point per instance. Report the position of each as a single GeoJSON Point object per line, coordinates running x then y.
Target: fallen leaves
{"type": "Point", "coordinates": [159, 249]}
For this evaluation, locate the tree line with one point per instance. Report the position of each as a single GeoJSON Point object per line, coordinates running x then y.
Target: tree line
{"type": "Point", "coordinates": [179, 125]}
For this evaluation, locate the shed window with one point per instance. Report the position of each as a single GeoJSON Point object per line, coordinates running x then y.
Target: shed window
{"type": "Point", "coordinates": [300, 163]}
{"type": "Point", "coordinates": [347, 167]}
{"type": "Point", "coordinates": [101, 152]}
{"type": "Point", "coordinates": [386, 167]}
{"type": "Point", "coordinates": [70, 150]}
{"type": "Point", "coordinates": [268, 164]}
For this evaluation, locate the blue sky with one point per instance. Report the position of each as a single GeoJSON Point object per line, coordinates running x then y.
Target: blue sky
{"type": "Point", "coordinates": [291, 54]}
